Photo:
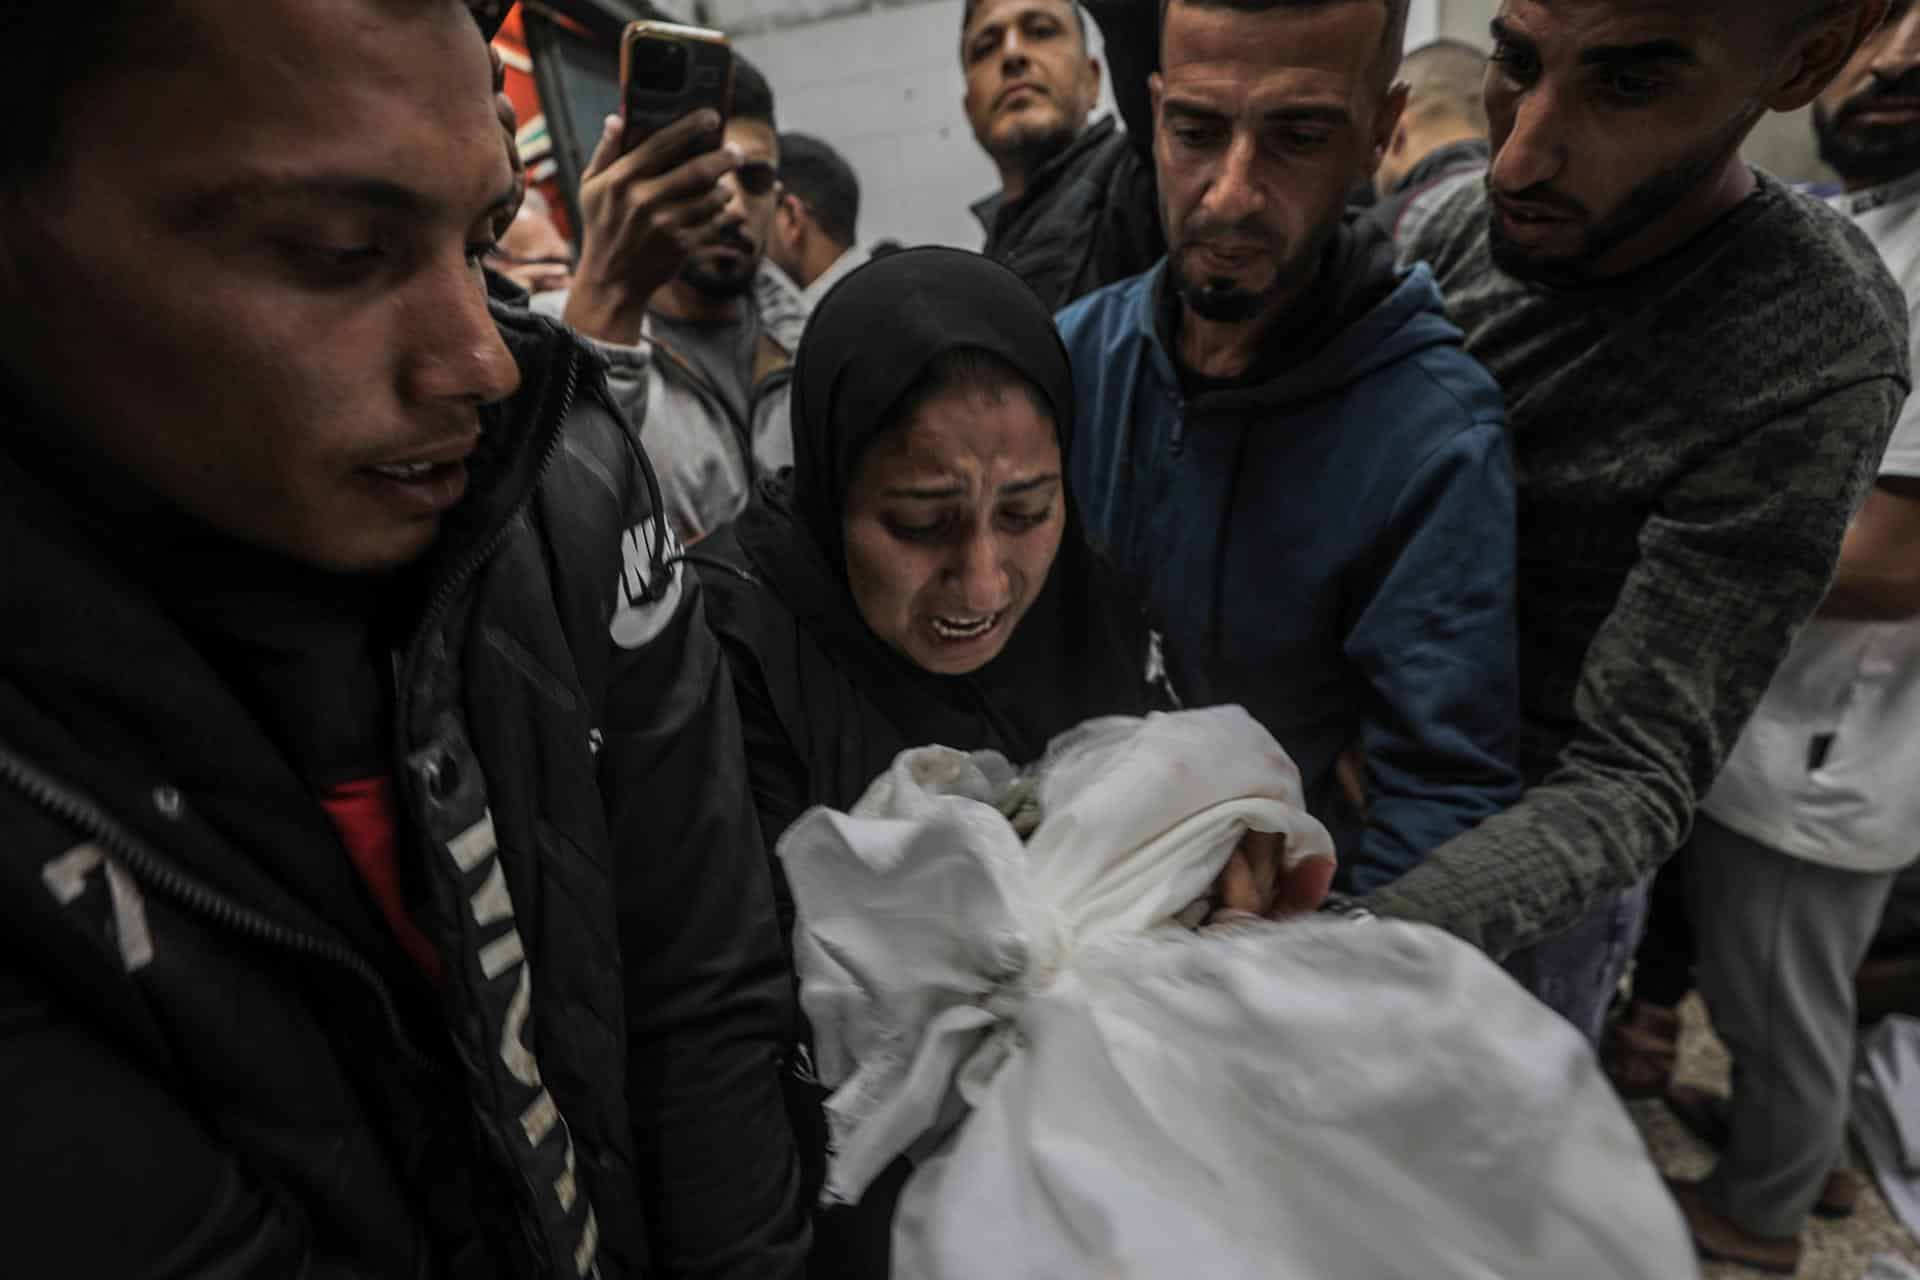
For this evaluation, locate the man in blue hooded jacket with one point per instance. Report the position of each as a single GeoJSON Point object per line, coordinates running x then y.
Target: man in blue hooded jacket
{"type": "Point", "coordinates": [1286, 448]}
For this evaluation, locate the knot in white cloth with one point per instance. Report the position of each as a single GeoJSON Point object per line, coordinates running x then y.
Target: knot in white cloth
{"type": "Point", "coordinates": [926, 922]}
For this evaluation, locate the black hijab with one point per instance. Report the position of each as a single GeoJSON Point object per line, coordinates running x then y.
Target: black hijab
{"type": "Point", "coordinates": [1081, 649]}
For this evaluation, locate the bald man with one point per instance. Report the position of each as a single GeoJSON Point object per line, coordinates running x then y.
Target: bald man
{"type": "Point", "coordinates": [1442, 135]}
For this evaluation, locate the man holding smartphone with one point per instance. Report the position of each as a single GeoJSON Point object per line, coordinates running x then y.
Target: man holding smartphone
{"type": "Point", "coordinates": [671, 287]}
{"type": "Point", "coordinates": [379, 888]}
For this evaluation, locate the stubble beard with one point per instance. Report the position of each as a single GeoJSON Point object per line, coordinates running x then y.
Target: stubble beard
{"type": "Point", "coordinates": [722, 286]}
{"type": "Point", "coordinates": [1642, 208]}
{"type": "Point", "coordinates": [1223, 300]}
{"type": "Point", "coordinates": [1029, 147]}
{"type": "Point", "coordinates": [1867, 156]}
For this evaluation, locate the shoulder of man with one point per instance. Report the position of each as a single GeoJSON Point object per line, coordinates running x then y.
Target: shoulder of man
{"type": "Point", "coordinates": [744, 612]}
{"type": "Point", "coordinates": [1463, 393]}
{"type": "Point", "coordinates": [783, 310]}
{"type": "Point", "coordinates": [1108, 149]}
{"type": "Point", "coordinates": [1815, 298]}
{"type": "Point", "coordinates": [602, 514]}
{"type": "Point", "coordinates": [1090, 323]}
{"type": "Point", "coordinates": [1441, 225]}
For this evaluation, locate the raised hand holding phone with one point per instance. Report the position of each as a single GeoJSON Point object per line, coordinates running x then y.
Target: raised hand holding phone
{"type": "Point", "coordinates": [643, 212]}
{"type": "Point", "coordinates": [645, 207]}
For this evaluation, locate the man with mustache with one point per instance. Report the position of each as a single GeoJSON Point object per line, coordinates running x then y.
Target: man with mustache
{"type": "Point", "coordinates": [1702, 369]}
{"type": "Point", "coordinates": [703, 360]}
{"type": "Point", "coordinates": [1283, 445]}
{"type": "Point", "coordinates": [1801, 838]}
{"type": "Point", "coordinates": [1076, 205]}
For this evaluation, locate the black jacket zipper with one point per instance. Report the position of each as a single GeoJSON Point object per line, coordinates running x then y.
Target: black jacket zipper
{"type": "Point", "coordinates": [443, 595]}
{"type": "Point", "coordinates": [157, 873]}
{"type": "Point", "coordinates": [532, 1234]}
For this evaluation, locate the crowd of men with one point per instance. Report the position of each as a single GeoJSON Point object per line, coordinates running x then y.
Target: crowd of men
{"type": "Point", "coordinates": [382, 889]}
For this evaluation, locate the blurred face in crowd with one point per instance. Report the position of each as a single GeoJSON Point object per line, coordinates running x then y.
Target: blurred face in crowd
{"type": "Point", "coordinates": [263, 305]}
{"type": "Point", "coordinates": [724, 267]}
{"type": "Point", "coordinates": [533, 254]}
{"type": "Point", "coordinates": [1264, 121]}
{"type": "Point", "coordinates": [1616, 124]}
{"type": "Point", "coordinates": [952, 524]}
{"type": "Point", "coordinates": [1868, 119]}
{"type": "Point", "coordinates": [793, 230]}
{"type": "Point", "coordinates": [1030, 82]}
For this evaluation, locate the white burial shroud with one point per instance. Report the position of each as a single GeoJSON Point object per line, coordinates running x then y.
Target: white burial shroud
{"type": "Point", "coordinates": [1092, 1089]}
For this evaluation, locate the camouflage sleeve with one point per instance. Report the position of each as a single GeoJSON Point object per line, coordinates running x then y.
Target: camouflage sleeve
{"type": "Point", "coordinates": [1735, 559]}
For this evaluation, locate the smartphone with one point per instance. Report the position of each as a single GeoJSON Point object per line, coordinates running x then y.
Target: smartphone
{"type": "Point", "coordinates": [666, 71]}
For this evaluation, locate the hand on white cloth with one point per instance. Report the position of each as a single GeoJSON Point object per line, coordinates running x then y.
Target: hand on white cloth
{"type": "Point", "coordinates": [1261, 882]}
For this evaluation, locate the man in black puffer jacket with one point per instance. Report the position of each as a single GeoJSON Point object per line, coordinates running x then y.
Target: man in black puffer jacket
{"type": "Point", "coordinates": [380, 893]}
{"type": "Point", "coordinates": [1077, 207]}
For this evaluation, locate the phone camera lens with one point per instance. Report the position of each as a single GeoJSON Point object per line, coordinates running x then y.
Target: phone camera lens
{"type": "Point", "coordinates": [662, 66]}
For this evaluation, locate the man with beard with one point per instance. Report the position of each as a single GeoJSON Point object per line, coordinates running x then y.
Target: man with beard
{"type": "Point", "coordinates": [703, 359]}
{"type": "Point", "coordinates": [1702, 369]}
{"type": "Point", "coordinates": [1283, 445]}
{"type": "Point", "coordinates": [1799, 842]}
{"type": "Point", "coordinates": [1076, 205]}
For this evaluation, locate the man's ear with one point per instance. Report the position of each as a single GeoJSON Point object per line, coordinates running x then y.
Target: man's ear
{"type": "Point", "coordinates": [1819, 53]}
{"type": "Point", "coordinates": [787, 224]}
{"type": "Point", "coordinates": [1156, 93]}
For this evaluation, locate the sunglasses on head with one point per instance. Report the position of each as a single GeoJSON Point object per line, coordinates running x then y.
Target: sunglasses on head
{"type": "Point", "coordinates": [756, 177]}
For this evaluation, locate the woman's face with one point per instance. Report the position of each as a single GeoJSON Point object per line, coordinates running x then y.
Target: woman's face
{"type": "Point", "coordinates": [952, 524]}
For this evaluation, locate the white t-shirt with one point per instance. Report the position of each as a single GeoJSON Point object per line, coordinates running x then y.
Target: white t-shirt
{"type": "Point", "coordinates": [1828, 770]}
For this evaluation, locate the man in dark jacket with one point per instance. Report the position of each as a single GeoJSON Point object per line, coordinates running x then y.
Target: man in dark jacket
{"type": "Point", "coordinates": [1284, 447]}
{"type": "Point", "coordinates": [381, 890]}
{"type": "Point", "coordinates": [1076, 207]}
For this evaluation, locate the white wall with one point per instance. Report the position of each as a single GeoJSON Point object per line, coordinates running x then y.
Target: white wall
{"type": "Point", "coordinates": [883, 85]}
{"type": "Point", "coordinates": [1423, 22]}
